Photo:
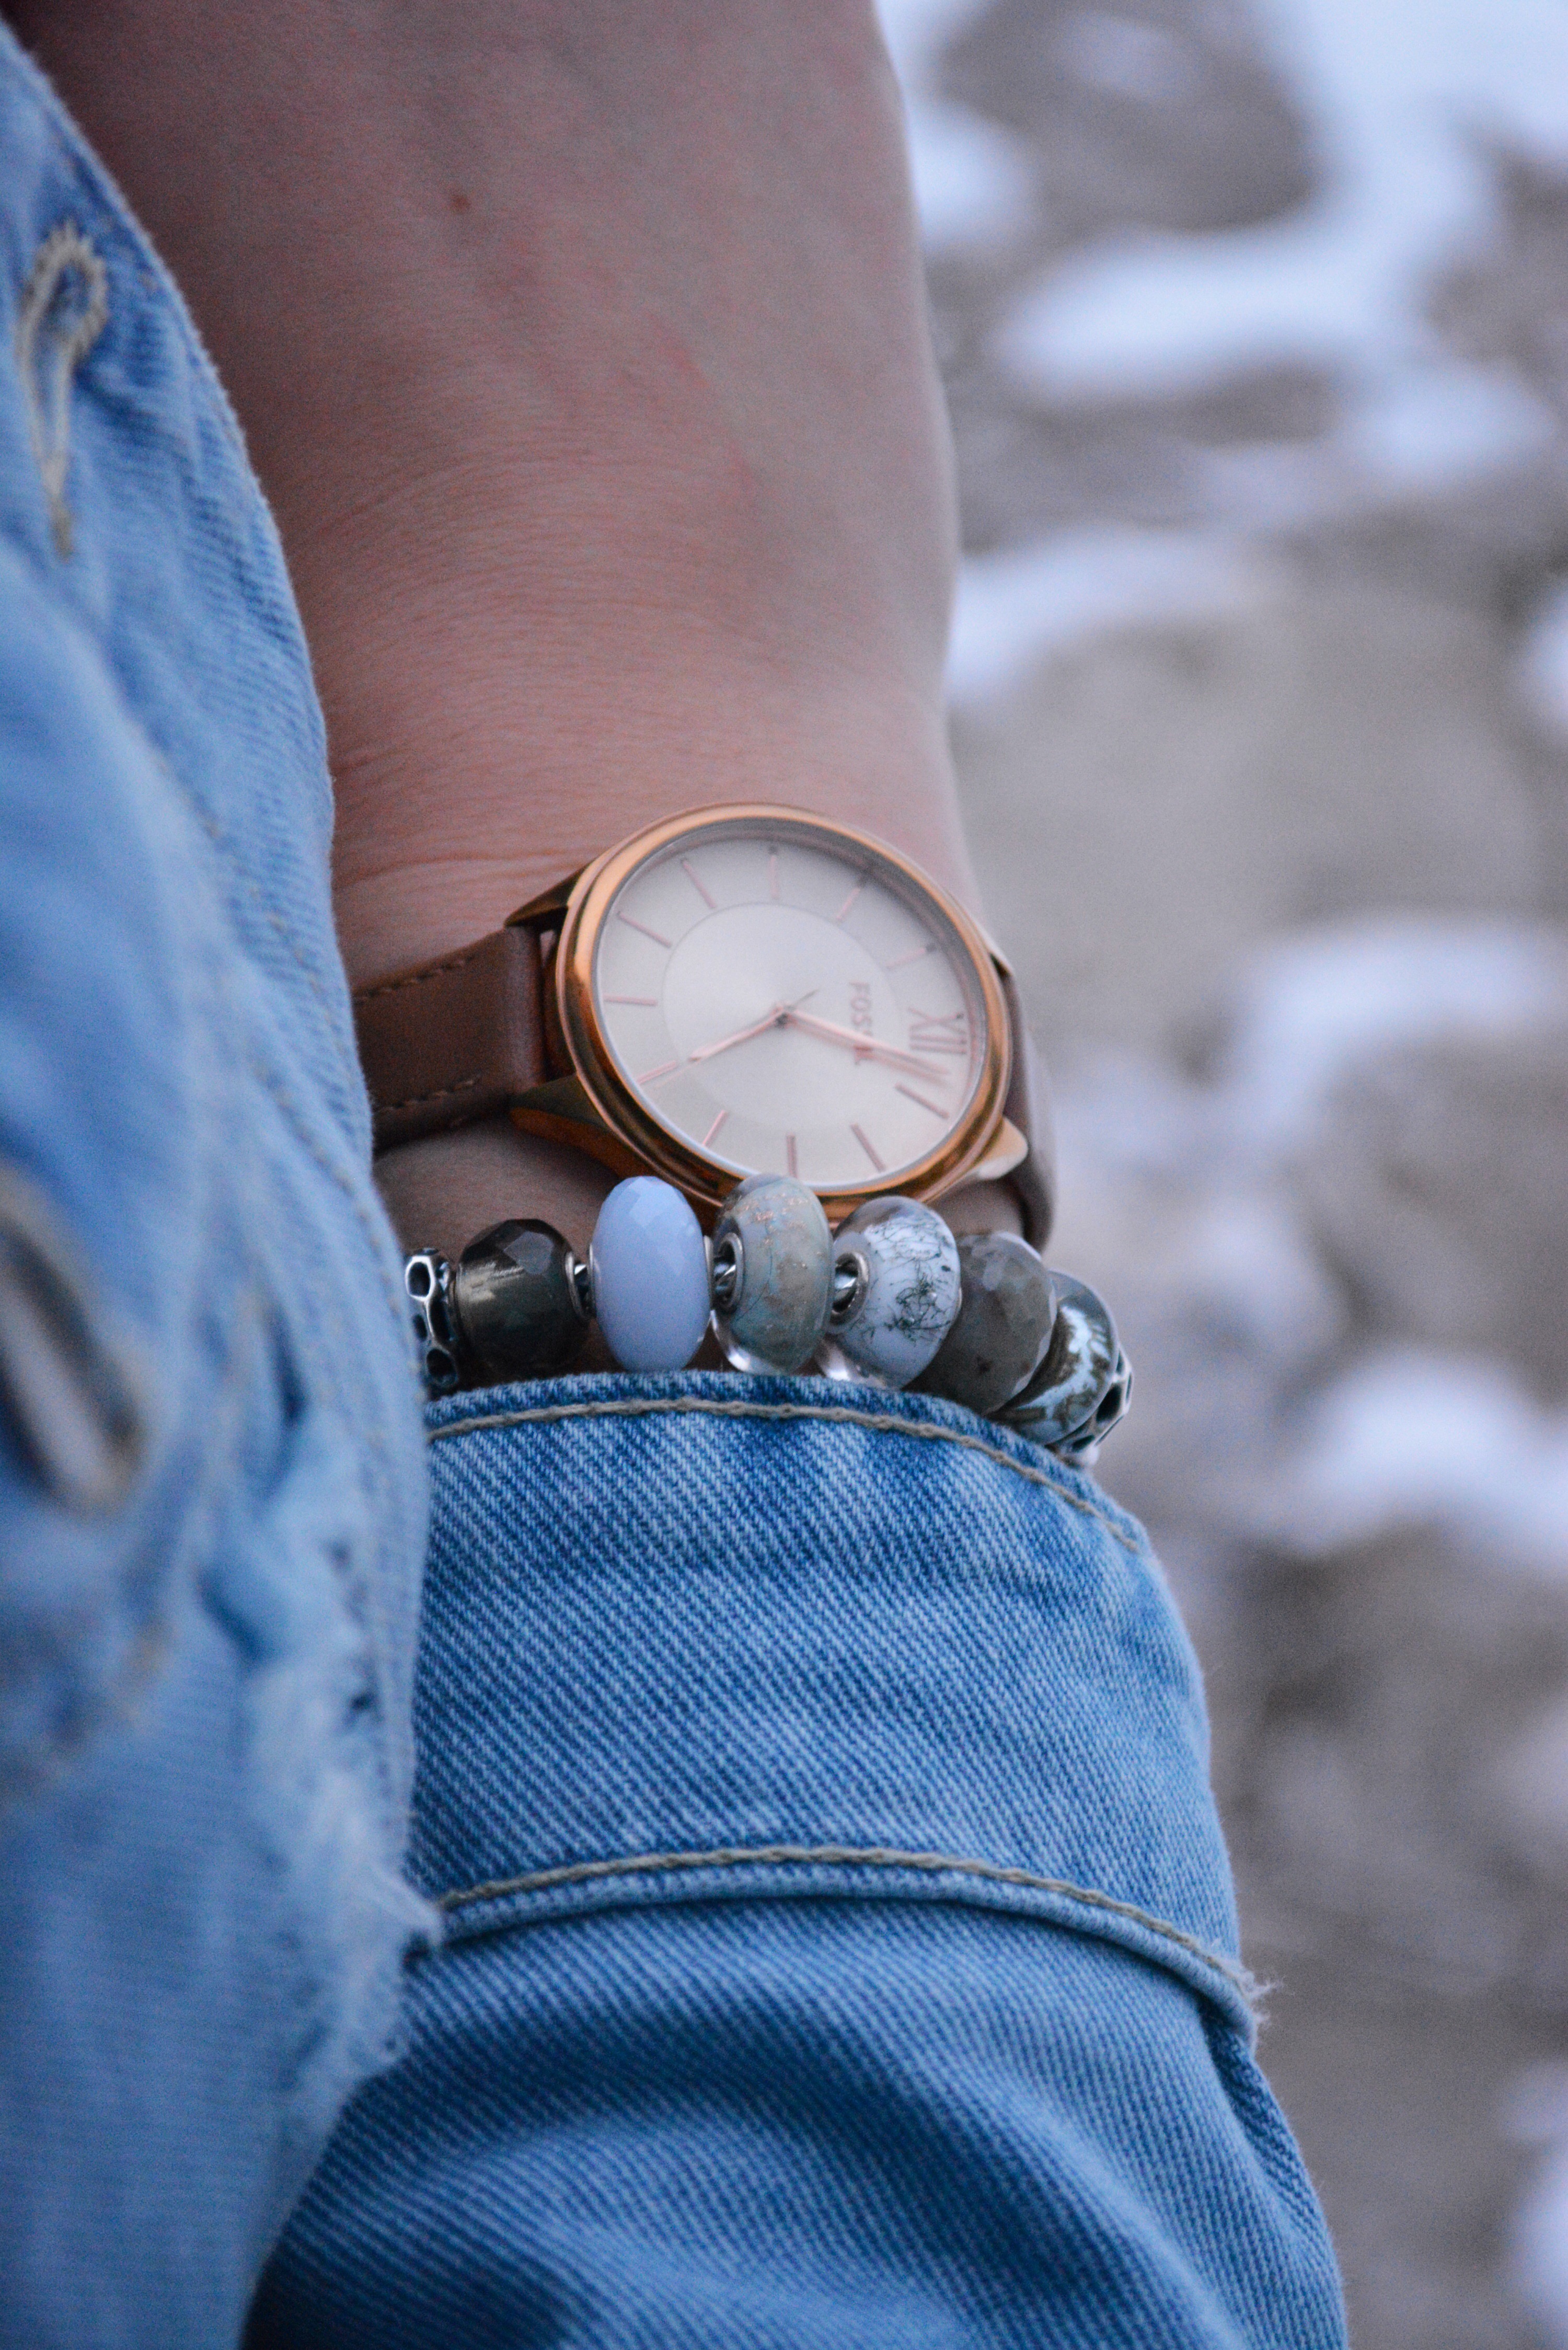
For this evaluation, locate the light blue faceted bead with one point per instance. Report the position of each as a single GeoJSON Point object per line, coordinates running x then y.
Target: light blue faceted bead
{"type": "Point", "coordinates": [649, 1267]}
{"type": "Point", "coordinates": [773, 1268]}
{"type": "Point", "coordinates": [905, 1296]}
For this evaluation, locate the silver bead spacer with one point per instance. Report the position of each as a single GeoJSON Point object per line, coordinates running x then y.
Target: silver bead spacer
{"type": "Point", "coordinates": [725, 1274]}
{"type": "Point", "coordinates": [427, 1277]}
{"type": "Point", "coordinates": [851, 1279]}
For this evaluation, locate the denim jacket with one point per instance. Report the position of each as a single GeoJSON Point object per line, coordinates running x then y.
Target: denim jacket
{"type": "Point", "coordinates": [781, 1902]}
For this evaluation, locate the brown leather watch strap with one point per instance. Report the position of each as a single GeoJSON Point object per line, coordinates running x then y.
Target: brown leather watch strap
{"type": "Point", "coordinates": [455, 1040]}
{"type": "Point", "coordinates": [1028, 1104]}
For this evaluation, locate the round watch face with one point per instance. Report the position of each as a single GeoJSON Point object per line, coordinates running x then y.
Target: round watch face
{"type": "Point", "coordinates": [776, 996]}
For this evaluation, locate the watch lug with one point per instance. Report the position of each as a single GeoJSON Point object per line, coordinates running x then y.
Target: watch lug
{"type": "Point", "coordinates": [545, 911]}
{"type": "Point", "coordinates": [1008, 1148]}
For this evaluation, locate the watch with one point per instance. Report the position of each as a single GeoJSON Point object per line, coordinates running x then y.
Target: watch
{"type": "Point", "coordinates": [744, 989]}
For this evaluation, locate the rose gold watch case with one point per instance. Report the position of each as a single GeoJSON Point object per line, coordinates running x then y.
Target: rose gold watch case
{"type": "Point", "coordinates": [634, 1127]}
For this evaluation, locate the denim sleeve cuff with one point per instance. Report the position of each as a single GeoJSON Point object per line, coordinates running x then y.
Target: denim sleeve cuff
{"type": "Point", "coordinates": [695, 1638]}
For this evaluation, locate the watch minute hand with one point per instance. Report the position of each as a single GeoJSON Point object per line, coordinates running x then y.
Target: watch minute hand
{"type": "Point", "coordinates": [867, 1045]}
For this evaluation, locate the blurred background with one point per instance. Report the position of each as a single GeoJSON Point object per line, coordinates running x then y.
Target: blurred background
{"type": "Point", "coordinates": [1254, 320]}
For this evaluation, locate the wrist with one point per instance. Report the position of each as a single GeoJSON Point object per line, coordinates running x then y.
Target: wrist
{"type": "Point", "coordinates": [500, 781]}
{"type": "Point", "coordinates": [444, 1190]}
{"type": "Point", "coordinates": [441, 1187]}
{"type": "Point", "coordinates": [605, 1015]}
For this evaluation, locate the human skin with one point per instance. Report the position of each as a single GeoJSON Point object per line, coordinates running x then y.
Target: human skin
{"type": "Point", "coordinates": [581, 349]}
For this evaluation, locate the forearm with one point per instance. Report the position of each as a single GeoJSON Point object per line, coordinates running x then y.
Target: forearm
{"type": "Point", "coordinates": [582, 352]}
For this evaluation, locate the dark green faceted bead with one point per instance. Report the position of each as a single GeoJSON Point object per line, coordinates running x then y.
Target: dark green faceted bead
{"type": "Point", "coordinates": [516, 1301]}
{"type": "Point", "coordinates": [1003, 1323]}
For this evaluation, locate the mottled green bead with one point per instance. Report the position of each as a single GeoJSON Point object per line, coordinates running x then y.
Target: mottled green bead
{"type": "Point", "coordinates": [1085, 1442]}
{"type": "Point", "coordinates": [515, 1301]}
{"type": "Point", "coordinates": [1078, 1369]}
{"type": "Point", "coordinates": [1003, 1323]}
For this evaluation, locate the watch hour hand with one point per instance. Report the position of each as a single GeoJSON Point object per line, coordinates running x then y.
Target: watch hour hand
{"type": "Point", "coordinates": [781, 1015]}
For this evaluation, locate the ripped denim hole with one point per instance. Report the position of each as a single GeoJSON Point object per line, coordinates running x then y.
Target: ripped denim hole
{"type": "Point", "coordinates": [64, 308]}
{"type": "Point", "coordinates": [70, 1395]}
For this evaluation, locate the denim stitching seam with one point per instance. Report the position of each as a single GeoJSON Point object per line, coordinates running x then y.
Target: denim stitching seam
{"type": "Point", "coordinates": [849, 1856]}
{"type": "Point", "coordinates": [881, 1423]}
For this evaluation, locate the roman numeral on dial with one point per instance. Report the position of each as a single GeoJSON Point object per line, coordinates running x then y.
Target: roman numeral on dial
{"type": "Point", "coordinates": [944, 1032]}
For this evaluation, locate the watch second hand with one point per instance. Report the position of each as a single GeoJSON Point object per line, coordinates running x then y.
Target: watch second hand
{"type": "Point", "coordinates": [779, 1016]}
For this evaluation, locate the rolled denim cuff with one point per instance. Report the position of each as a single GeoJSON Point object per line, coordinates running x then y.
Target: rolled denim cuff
{"type": "Point", "coordinates": [696, 1637]}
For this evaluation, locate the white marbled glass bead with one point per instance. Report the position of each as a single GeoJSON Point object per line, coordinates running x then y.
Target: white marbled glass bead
{"type": "Point", "coordinates": [774, 1230]}
{"type": "Point", "coordinates": [906, 1298]}
{"type": "Point", "coordinates": [648, 1265]}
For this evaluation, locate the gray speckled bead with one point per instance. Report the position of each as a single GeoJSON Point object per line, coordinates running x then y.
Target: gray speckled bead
{"type": "Point", "coordinates": [1004, 1324]}
{"type": "Point", "coordinates": [516, 1302]}
{"type": "Point", "coordinates": [769, 1314]}
{"type": "Point", "coordinates": [1077, 1368]}
{"type": "Point", "coordinates": [904, 1295]}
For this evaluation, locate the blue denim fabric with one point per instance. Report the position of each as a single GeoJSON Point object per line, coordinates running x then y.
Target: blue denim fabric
{"type": "Point", "coordinates": [840, 1945]}
{"type": "Point", "coordinates": [204, 1697]}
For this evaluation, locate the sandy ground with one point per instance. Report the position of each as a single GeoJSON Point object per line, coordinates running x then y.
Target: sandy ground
{"type": "Point", "coordinates": [1261, 708]}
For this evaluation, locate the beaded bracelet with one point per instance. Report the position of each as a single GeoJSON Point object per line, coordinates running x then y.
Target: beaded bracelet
{"type": "Point", "coordinates": [893, 1298]}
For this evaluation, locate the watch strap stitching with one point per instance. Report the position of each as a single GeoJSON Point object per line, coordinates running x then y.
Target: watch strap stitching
{"type": "Point", "coordinates": [417, 977]}
{"type": "Point", "coordinates": [441, 1093]}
